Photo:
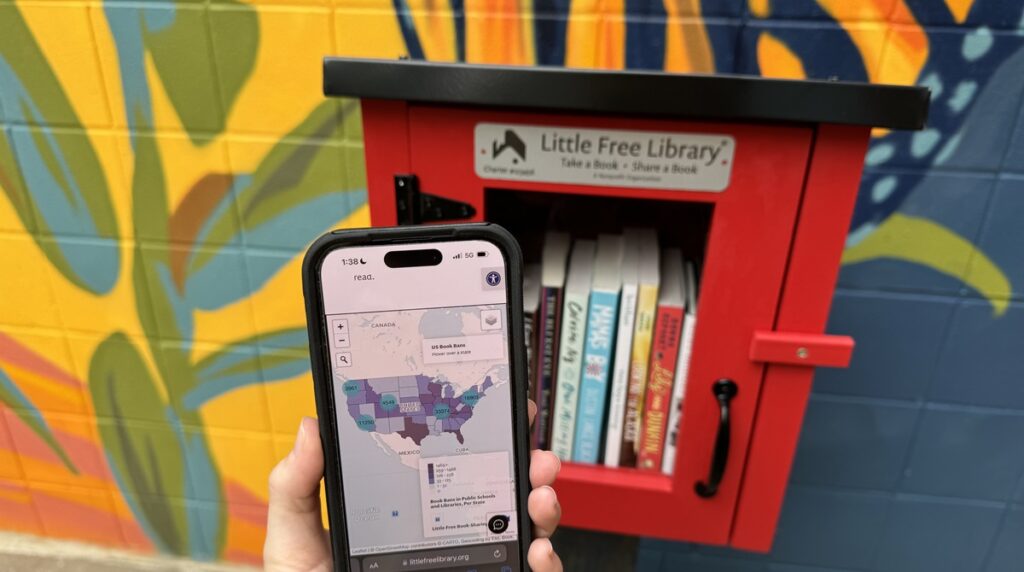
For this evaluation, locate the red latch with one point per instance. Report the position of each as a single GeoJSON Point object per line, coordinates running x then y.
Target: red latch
{"type": "Point", "coordinates": [801, 349]}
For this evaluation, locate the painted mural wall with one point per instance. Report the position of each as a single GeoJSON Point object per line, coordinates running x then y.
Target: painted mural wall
{"type": "Point", "coordinates": [164, 164]}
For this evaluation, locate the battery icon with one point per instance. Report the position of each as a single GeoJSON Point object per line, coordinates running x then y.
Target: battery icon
{"type": "Point", "coordinates": [481, 254]}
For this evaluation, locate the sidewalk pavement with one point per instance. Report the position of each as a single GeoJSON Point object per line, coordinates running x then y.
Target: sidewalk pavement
{"type": "Point", "coordinates": [23, 553]}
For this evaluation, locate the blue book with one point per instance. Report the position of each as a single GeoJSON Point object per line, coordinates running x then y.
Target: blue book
{"type": "Point", "coordinates": [599, 347]}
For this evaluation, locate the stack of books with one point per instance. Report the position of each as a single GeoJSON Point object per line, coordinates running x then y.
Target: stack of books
{"type": "Point", "coordinates": [610, 325]}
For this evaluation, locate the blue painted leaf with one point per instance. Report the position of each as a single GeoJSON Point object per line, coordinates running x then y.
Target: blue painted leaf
{"type": "Point", "coordinates": [11, 396]}
{"type": "Point", "coordinates": [407, 25]}
{"type": "Point", "coordinates": [239, 364]}
{"type": "Point", "coordinates": [207, 523]}
{"type": "Point", "coordinates": [52, 177]}
{"type": "Point", "coordinates": [299, 191]}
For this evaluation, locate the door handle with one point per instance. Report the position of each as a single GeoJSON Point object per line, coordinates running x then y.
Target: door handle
{"type": "Point", "coordinates": [724, 390]}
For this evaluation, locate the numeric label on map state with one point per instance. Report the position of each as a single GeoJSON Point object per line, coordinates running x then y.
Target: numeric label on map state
{"type": "Point", "coordinates": [461, 493]}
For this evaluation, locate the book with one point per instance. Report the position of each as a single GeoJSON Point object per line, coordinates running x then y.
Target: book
{"type": "Point", "coordinates": [646, 306]}
{"type": "Point", "coordinates": [570, 347]}
{"type": "Point", "coordinates": [631, 239]}
{"type": "Point", "coordinates": [675, 412]}
{"type": "Point", "coordinates": [597, 350]}
{"type": "Point", "coordinates": [531, 304]}
{"type": "Point", "coordinates": [668, 327]}
{"type": "Point", "coordinates": [554, 257]}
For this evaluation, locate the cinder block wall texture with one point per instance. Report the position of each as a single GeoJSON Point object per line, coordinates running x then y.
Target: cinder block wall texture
{"type": "Point", "coordinates": [164, 164]}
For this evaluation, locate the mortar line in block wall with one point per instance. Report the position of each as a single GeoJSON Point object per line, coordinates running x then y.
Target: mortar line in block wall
{"type": "Point", "coordinates": [916, 433]}
{"type": "Point", "coordinates": [238, 135]}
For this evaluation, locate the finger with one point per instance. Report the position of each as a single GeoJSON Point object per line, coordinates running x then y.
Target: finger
{"type": "Point", "coordinates": [531, 407]}
{"type": "Point", "coordinates": [295, 481]}
{"type": "Point", "coordinates": [544, 467]}
{"type": "Point", "coordinates": [293, 511]}
{"type": "Point", "coordinates": [542, 557]}
{"type": "Point", "coordinates": [545, 512]}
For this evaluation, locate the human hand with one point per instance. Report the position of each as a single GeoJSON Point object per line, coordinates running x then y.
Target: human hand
{"type": "Point", "coordinates": [296, 539]}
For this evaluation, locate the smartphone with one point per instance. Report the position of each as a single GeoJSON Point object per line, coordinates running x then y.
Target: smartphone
{"type": "Point", "coordinates": [419, 369]}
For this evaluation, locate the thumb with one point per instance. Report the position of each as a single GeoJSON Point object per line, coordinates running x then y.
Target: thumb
{"type": "Point", "coordinates": [294, 527]}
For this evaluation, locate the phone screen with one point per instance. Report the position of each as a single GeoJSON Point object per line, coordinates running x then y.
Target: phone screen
{"type": "Point", "coordinates": [423, 398]}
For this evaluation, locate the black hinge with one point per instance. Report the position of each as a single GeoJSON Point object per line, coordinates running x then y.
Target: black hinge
{"type": "Point", "coordinates": [414, 207]}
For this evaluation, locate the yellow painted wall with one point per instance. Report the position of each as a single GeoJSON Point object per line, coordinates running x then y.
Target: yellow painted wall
{"type": "Point", "coordinates": [164, 165]}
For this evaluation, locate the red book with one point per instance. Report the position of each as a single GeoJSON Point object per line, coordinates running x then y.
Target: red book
{"type": "Point", "coordinates": [668, 328]}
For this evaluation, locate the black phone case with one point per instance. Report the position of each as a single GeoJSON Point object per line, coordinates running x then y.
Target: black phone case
{"type": "Point", "coordinates": [323, 376]}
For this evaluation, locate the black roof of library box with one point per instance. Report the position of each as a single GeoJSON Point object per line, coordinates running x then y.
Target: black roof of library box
{"type": "Point", "coordinates": [706, 97]}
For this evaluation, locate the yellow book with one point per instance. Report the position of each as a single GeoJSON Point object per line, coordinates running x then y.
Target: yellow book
{"type": "Point", "coordinates": [646, 308]}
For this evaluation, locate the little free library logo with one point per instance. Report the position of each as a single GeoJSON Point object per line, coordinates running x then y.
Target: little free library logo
{"type": "Point", "coordinates": [608, 148]}
{"type": "Point", "coordinates": [604, 157]}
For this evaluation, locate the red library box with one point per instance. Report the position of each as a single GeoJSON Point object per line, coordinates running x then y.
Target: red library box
{"type": "Point", "coordinates": [754, 177]}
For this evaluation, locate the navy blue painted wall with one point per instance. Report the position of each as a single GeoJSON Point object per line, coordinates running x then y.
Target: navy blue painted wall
{"type": "Point", "coordinates": [913, 458]}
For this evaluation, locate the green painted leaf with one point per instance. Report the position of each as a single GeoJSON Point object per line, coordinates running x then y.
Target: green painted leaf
{"type": "Point", "coordinates": [162, 308]}
{"type": "Point", "coordinates": [301, 189]}
{"type": "Point", "coordinates": [52, 177]}
{"type": "Point", "coordinates": [12, 396]}
{"type": "Point", "coordinates": [177, 37]}
{"type": "Point", "coordinates": [146, 459]}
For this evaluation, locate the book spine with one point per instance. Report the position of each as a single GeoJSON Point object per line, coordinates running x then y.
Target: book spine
{"type": "Point", "coordinates": [530, 337]}
{"type": "Point", "coordinates": [620, 375]}
{"type": "Point", "coordinates": [597, 358]}
{"type": "Point", "coordinates": [547, 363]}
{"type": "Point", "coordinates": [646, 306]}
{"type": "Point", "coordinates": [570, 359]}
{"type": "Point", "coordinates": [664, 353]}
{"type": "Point", "coordinates": [675, 415]}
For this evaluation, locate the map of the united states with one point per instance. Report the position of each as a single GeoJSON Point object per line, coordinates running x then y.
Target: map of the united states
{"type": "Point", "coordinates": [411, 406]}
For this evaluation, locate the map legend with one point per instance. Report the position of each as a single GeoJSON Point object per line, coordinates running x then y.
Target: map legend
{"type": "Point", "coordinates": [461, 494]}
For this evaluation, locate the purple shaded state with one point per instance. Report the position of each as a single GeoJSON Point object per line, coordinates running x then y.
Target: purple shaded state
{"type": "Point", "coordinates": [359, 398]}
{"type": "Point", "coordinates": [415, 431]}
{"type": "Point", "coordinates": [431, 393]}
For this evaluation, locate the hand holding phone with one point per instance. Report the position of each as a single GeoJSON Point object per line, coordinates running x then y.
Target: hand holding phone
{"type": "Point", "coordinates": [418, 361]}
{"type": "Point", "coordinates": [296, 540]}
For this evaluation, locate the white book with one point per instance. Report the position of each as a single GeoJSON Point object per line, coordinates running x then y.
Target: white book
{"type": "Point", "coordinates": [631, 239]}
{"type": "Point", "coordinates": [570, 347]}
{"type": "Point", "coordinates": [675, 414]}
{"type": "Point", "coordinates": [531, 288]}
{"type": "Point", "coordinates": [553, 259]}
